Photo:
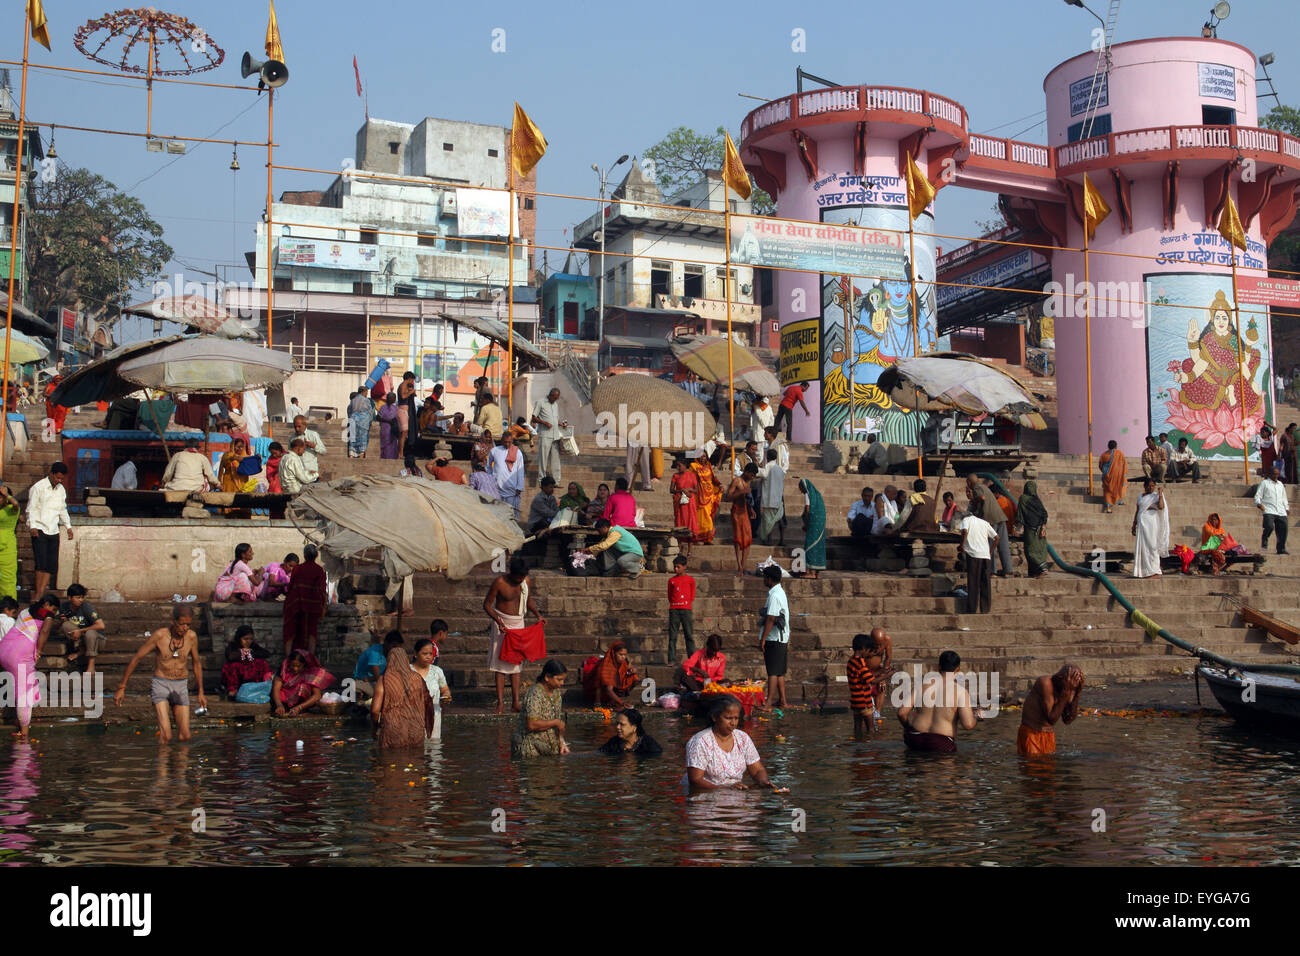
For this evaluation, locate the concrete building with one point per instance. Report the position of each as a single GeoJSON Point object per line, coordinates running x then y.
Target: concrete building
{"type": "Point", "coordinates": [568, 301]}
{"type": "Point", "coordinates": [666, 268]}
{"type": "Point", "coordinates": [32, 154]}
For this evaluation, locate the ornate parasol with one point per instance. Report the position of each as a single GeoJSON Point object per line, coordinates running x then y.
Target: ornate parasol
{"type": "Point", "coordinates": [149, 41]}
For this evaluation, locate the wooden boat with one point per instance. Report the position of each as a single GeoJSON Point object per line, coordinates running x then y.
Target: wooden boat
{"type": "Point", "coordinates": [1272, 625]}
{"type": "Point", "coordinates": [1266, 701]}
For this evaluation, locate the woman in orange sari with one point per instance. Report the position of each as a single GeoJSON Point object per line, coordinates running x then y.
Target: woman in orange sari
{"type": "Point", "coordinates": [707, 500]}
{"type": "Point", "coordinates": [1216, 539]}
{"type": "Point", "coordinates": [682, 491]}
{"type": "Point", "coordinates": [1114, 476]}
{"type": "Point", "coordinates": [742, 531]}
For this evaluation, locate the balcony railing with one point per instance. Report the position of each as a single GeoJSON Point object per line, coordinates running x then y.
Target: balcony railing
{"type": "Point", "coordinates": [853, 99]}
{"type": "Point", "coordinates": [1161, 138]}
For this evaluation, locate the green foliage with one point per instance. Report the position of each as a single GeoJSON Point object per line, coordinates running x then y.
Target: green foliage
{"type": "Point", "coordinates": [1284, 253]}
{"type": "Point", "coordinates": [683, 155]}
{"type": "Point", "coordinates": [89, 244]}
{"type": "Point", "coordinates": [1283, 118]}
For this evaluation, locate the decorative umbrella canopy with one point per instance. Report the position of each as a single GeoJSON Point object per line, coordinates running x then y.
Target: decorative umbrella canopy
{"type": "Point", "coordinates": [196, 311]}
{"type": "Point", "coordinates": [952, 380]}
{"type": "Point", "coordinates": [24, 349]}
{"type": "Point", "coordinates": [99, 381]}
{"type": "Point", "coordinates": [418, 524]}
{"type": "Point", "coordinates": [207, 365]}
{"type": "Point", "coordinates": [650, 411]}
{"type": "Point", "coordinates": [706, 356]}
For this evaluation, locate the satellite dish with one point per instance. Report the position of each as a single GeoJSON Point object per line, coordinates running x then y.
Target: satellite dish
{"type": "Point", "coordinates": [1222, 9]}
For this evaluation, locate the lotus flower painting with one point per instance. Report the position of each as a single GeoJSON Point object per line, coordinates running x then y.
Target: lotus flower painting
{"type": "Point", "coordinates": [1208, 368]}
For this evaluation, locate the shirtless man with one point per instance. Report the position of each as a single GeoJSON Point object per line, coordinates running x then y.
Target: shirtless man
{"type": "Point", "coordinates": [882, 663]}
{"type": "Point", "coordinates": [928, 718]}
{"type": "Point", "coordinates": [507, 604]}
{"type": "Point", "coordinates": [174, 645]}
{"type": "Point", "coordinates": [1050, 699]}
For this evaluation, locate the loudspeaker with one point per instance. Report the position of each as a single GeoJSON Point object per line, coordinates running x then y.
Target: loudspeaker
{"type": "Point", "coordinates": [272, 73]}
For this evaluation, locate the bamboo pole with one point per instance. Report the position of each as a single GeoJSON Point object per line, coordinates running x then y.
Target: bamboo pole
{"type": "Point", "coordinates": [13, 242]}
{"type": "Point", "coordinates": [726, 288]}
{"type": "Point", "coordinates": [270, 266]}
{"type": "Point", "coordinates": [510, 293]}
{"type": "Point", "coordinates": [916, 322]}
{"type": "Point", "coordinates": [848, 349]}
{"type": "Point", "coordinates": [1241, 374]}
{"type": "Point", "coordinates": [1087, 347]}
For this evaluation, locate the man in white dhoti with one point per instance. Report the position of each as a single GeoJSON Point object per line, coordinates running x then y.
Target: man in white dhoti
{"type": "Point", "coordinates": [507, 603]}
{"type": "Point", "coordinates": [1151, 528]}
{"type": "Point", "coordinates": [506, 466]}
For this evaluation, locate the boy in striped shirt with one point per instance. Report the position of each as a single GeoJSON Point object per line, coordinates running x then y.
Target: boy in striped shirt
{"type": "Point", "coordinates": [861, 669]}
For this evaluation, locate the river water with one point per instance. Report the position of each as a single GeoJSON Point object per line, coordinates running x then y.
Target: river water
{"type": "Point", "coordinates": [1154, 790]}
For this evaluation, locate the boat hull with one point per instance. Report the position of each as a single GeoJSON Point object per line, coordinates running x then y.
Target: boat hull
{"type": "Point", "coordinates": [1263, 701]}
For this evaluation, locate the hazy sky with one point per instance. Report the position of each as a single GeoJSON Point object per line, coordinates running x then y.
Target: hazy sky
{"type": "Point", "coordinates": [600, 80]}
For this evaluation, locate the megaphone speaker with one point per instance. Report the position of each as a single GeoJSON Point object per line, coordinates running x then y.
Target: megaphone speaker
{"type": "Point", "coordinates": [271, 73]}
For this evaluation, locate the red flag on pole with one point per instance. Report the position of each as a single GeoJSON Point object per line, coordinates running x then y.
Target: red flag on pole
{"type": "Point", "coordinates": [357, 70]}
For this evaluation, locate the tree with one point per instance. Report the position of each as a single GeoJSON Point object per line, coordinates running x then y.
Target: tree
{"type": "Point", "coordinates": [682, 156]}
{"type": "Point", "coordinates": [89, 244]}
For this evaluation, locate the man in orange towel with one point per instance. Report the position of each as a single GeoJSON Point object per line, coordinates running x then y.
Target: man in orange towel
{"type": "Point", "coordinates": [1114, 475]}
{"type": "Point", "coordinates": [1050, 699]}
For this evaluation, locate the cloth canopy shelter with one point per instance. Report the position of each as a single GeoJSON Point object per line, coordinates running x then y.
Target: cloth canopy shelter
{"type": "Point", "coordinates": [953, 380]}
{"type": "Point", "coordinates": [527, 355]}
{"type": "Point", "coordinates": [706, 356]}
{"type": "Point", "coordinates": [415, 523]}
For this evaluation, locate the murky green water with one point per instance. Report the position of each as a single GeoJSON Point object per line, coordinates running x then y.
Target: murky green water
{"type": "Point", "coordinates": [1174, 790]}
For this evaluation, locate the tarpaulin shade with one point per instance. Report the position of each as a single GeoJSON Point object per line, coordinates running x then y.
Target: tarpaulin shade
{"type": "Point", "coordinates": [951, 380]}
{"type": "Point", "coordinates": [706, 356]}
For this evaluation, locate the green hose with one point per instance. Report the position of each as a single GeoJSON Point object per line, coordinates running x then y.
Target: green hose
{"type": "Point", "coordinates": [1140, 619]}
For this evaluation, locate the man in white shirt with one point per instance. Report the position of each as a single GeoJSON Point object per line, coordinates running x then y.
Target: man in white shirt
{"type": "Point", "coordinates": [862, 514]}
{"type": "Point", "coordinates": [313, 446]}
{"type": "Point", "coordinates": [47, 510]}
{"type": "Point", "coordinates": [774, 638]}
{"type": "Point", "coordinates": [1270, 498]}
{"type": "Point", "coordinates": [189, 470]}
{"type": "Point", "coordinates": [1167, 447]}
{"type": "Point", "coordinates": [506, 466]}
{"type": "Point", "coordinates": [294, 410]}
{"type": "Point", "coordinates": [1183, 463]}
{"type": "Point", "coordinates": [976, 533]}
{"type": "Point", "coordinates": [761, 417]}
{"type": "Point", "coordinates": [546, 416]}
{"type": "Point", "coordinates": [126, 477]}
{"type": "Point", "coordinates": [775, 440]}
{"type": "Point", "coordinates": [294, 473]}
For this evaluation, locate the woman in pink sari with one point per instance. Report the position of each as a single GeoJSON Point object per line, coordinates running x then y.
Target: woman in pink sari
{"type": "Point", "coordinates": [19, 650]}
{"type": "Point", "coordinates": [275, 578]}
{"type": "Point", "coordinates": [237, 582]}
{"type": "Point", "coordinates": [299, 684]}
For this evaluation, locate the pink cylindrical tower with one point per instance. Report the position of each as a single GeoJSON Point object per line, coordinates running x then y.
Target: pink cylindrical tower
{"type": "Point", "coordinates": [1165, 133]}
{"type": "Point", "coordinates": [835, 158]}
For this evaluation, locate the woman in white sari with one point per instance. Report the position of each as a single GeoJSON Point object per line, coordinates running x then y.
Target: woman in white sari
{"type": "Point", "coordinates": [1151, 527]}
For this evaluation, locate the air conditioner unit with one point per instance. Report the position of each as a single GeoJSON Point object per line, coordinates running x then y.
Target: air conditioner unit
{"type": "Point", "coordinates": [449, 203]}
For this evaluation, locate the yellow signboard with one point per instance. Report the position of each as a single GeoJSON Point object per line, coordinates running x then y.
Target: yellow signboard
{"type": "Point", "coordinates": [391, 339]}
{"type": "Point", "coordinates": [801, 352]}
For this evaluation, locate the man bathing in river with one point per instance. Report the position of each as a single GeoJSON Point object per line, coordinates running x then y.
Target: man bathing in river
{"type": "Point", "coordinates": [1050, 699]}
{"type": "Point", "coordinates": [507, 604]}
{"type": "Point", "coordinates": [929, 717]}
{"type": "Point", "coordinates": [174, 645]}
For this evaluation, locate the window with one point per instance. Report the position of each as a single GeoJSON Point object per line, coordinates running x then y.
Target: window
{"type": "Point", "coordinates": [624, 291]}
{"type": "Point", "coordinates": [394, 147]}
{"type": "Point", "coordinates": [283, 284]}
{"type": "Point", "coordinates": [661, 277]}
{"type": "Point", "coordinates": [550, 320]}
{"type": "Point", "coordinates": [404, 289]}
{"type": "Point", "coordinates": [451, 245]}
{"type": "Point", "coordinates": [363, 288]}
{"type": "Point", "coordinates": [693, 281]}
{"type": "Point", "coordinates": [428, 239]}
{"type": "Point", "coordinates": [764, 286]}
{"type": "Point", "coordinates": [528, 204]}
{"type": "Point", "coordinates": [607, 286]}
{"type": "Point", "coordinates": [447, 147]}
{"type": "Point", "coordinates": [1100, 127]}
{"type": "Point", "coordinates": [723, 278]}
{"type": "Point", "coordinates": [492, 153]}
{"type": "Point", "coordinates": [1218, 116]}
{"type": "Point", "coordinates": [370, 236]}
{"type": "Point", "coordinates": [341, 234]}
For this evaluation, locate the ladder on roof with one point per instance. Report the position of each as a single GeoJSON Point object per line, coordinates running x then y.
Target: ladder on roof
{"type": "Point", "coordinates": [1102, 67]}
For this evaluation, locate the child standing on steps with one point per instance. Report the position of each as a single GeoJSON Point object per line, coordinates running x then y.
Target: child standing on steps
{"type": "Point", "coordinates": [681, 614]}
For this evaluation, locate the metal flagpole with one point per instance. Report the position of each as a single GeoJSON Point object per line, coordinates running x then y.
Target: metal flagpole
{"type": "Point", "coordinates": [270, 267]}
{"type": "Point", "coordinates": [510, 290]}
{"type": "Point", "coordinates": [1087, 347]}
{"type": "Point", "coordinates": [1241, 372]}
{"type": "Point", "coordinates": [916, 316]}
{"type": "Point", "coordinates": [726, 287]}
{"type": "Point", "coordinates": [13, 238]}
{"type": "Point", "coordinates": [847, 286]}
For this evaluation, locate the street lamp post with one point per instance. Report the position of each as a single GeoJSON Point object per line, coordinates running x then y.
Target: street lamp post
{"type": "Point", "coordinates": [604, 183]}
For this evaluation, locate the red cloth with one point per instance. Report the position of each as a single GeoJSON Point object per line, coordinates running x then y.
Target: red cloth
{"type": "Point", "coordinates": [523, 643]}
{"type": "Point", "coordinates": [620, 509]}
{"type": "Point", "coordinates": [193, 412]}
{"type": "Point", "coordinates": [273, 476]}
{"type": "Point", "coordinates": [304, 603]}
{"type": "Point", "coordinates": [791, 397]}
{"type": "Point", "coordinates": [681, 591]}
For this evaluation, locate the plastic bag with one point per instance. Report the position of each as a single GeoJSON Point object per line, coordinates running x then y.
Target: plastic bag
{"type": "Point", "coordinates": [669, 701]}
{"type": "Point", "coordinates": [112, 596]}
{"type": "Point", "coordinates": [256, 693]}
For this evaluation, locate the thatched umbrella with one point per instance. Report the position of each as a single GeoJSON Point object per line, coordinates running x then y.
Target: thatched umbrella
{"type": "Point", "coordinates": [649, 411]}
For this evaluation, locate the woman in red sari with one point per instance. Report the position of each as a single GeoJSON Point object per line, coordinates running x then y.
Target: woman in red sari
{"type": "Point", "coordinates": [56, 412]}
{"type": "Point", "coordinates": [742, 531]}
{"type": "Point", "coordinates": [299, 684]}
{"type": "Point", "coordinates": [682, 491]}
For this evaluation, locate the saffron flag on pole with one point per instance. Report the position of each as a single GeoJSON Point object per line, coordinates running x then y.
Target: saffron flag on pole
{"type": "Point", "coordinates": [273, 48]}
{"type": "Point", "coordinates": [527, 144]}
{"type": "Point", "coordinates": [1230, 225]}
{"type": "Point", "coordinates": [1095, 209]}
{"type": "Point", "coordinates": [734, 174]}
{"type": "Point", "coordinates": [919, 191]}
{"type": "Point", "coordinates": [40, 29]}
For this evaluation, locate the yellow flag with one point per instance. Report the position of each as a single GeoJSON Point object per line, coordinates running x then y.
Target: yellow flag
{"type": "Point", "coordinates": [527, 144]}
{"type": "Point", "coordinates": [40, 30]}
{"type": "Point", "coordinates": [919, 191]}
{"type": "Point", "coordinates": [273, 48]}
{"type": "Point", "coordinates": [1230, 225]}
{"type": "Point", "coordinates": [1095, 209]}
{"type": "Point", "coordinates": [734, 174]}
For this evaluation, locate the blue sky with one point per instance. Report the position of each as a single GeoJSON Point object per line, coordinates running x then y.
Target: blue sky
{"type": "Point", "coordinates": [600, 80]}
